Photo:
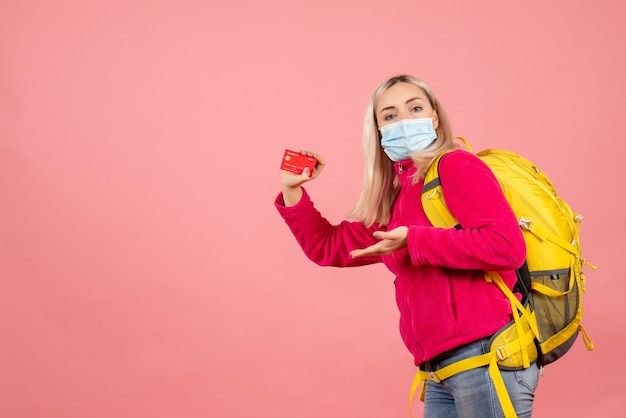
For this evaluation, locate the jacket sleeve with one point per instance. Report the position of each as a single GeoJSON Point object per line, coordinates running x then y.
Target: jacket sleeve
{"type": "Point", "coordinates": [490, 238]}
{"type": "Point", "coordinates": [324, 243]}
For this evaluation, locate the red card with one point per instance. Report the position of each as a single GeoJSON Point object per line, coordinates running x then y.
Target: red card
{"type": "Point", "coordinates": [295, 162]}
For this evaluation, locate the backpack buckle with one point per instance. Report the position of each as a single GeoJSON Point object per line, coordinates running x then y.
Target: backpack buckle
{"type": "Point", "coordinates": [433, 376]}
{"type": "Point", "coordinates": [527, 224]}
{"type": "Point", "coordinates": [432, 194]}
{"type": "Point", "coordinates": [503, 352]}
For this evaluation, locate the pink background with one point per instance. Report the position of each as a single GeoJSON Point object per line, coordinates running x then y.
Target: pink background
{"type": "Point", "coordinates": [143, 269]}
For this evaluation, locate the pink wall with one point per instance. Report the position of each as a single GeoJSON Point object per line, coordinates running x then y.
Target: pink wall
{"type": "Point", "coordinates": [143, 269]}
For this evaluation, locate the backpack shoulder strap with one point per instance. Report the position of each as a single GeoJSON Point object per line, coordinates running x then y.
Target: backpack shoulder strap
{"type": "Point", "coordinates": [432, 195]}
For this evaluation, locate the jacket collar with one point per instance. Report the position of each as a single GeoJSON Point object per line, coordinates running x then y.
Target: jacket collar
{"type": "Point", "coordinates": [404, 167]}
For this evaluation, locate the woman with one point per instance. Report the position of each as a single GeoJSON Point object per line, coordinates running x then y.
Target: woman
{"type": "Point", "coordinates": [448, 310]}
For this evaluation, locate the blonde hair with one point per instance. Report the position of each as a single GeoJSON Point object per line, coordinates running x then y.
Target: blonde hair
{"type": "Point", "coordinates": [380, 182]}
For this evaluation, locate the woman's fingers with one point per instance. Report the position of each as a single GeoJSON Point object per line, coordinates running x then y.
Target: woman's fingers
{"type": "Point", "coordinates": [390, 241]}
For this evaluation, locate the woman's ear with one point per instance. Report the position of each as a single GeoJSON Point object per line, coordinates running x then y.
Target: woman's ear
{"type": "Point", "coordinates": [435, 119]}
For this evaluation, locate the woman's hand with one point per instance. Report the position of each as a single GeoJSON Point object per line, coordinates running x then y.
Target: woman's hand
{"type": "Point", "coordinates": [390, 241]}
{"type": "Point", "coordinates": [292, 182]}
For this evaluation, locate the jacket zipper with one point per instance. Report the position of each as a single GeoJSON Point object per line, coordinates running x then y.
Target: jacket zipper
{"type": "Point", "coordinates": [405, 184]}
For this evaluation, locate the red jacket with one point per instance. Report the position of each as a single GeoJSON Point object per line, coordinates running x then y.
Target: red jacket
{"type": "Point", "coordinates": [442, 295]}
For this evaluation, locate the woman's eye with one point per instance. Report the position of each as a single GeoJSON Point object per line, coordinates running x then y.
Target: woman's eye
{"type": "Point", "coordinates": [416, 109]}
{"type": "Point", "coordinates": [389, 117]}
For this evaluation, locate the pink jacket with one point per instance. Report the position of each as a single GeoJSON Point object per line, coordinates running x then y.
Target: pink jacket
{"type": "Point", "coordinates": [442, 295]}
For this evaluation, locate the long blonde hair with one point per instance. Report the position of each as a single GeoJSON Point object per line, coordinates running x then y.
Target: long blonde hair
{"type": "Point", "coordinates": [380, 182]}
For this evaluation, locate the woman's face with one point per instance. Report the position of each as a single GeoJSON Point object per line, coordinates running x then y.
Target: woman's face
{"type": "Point", "coordinates": [404, 101]}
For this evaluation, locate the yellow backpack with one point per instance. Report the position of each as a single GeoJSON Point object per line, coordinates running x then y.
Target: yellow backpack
{"type": "Point", "coordinates": [547, 320]}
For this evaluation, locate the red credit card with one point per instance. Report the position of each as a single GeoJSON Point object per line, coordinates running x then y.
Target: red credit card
{"type": "Point", "coordinates": [295, 162]}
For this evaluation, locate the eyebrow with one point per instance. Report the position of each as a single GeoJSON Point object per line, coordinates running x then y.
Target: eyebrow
{"type": "Point", "coordinates": [393, 107]}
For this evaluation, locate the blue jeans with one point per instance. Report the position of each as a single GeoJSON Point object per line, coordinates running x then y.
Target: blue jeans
{"type": "Point", "coordinates": [471, 394]}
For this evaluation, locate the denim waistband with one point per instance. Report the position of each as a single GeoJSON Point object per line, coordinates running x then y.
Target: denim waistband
{"type": "Point", "coordinates": [461, 352]}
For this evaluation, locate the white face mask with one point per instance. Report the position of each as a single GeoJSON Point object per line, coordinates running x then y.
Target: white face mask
{"type": "Point", "coordinates": [407, 136]}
